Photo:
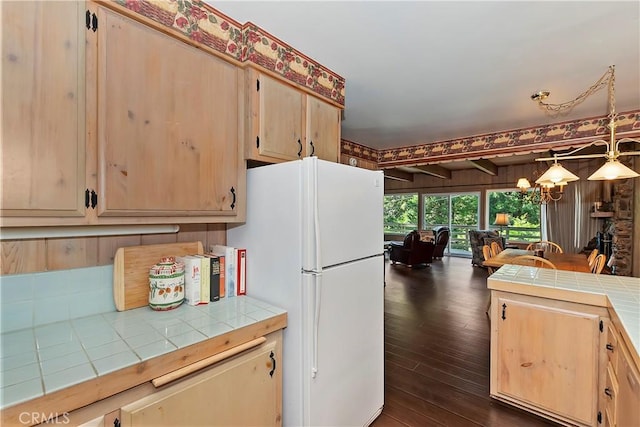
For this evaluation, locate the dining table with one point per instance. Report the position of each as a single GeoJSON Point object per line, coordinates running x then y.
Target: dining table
{"type": "Point", "coordinates": [562, 261]}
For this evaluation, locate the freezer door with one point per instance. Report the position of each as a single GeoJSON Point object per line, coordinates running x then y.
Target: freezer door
{"type": "Point", "coordinates": [342, 213]}
{"type": "Point", "coordinates": [344, 368]}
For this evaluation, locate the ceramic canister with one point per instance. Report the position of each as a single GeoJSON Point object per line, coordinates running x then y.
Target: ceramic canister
{"type": "Point", "coordinates": [166, 284]}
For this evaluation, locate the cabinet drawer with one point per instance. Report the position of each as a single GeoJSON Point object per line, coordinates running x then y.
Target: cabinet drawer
{"type": "Point", "coordinates": [610, 394]}
{"type": "Point", "coordinates": [612, 346]}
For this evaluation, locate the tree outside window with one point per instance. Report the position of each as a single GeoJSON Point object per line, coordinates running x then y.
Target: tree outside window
{"type": "Point", "coordinates": [524, 215]}
{"type": "Point", "coordinates": [400, 213]}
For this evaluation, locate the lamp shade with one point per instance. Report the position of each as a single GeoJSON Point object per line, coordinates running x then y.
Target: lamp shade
{"type": "Point", "coordinates": [501, 219]}
{"type": "Point", "coordinates": [557, 173]}
{"type": "Point", "coordinates": [613, 169]}
{"type": "Point", "coordinates": [523, 184]}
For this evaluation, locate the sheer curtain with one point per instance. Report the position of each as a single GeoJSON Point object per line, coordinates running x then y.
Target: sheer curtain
{"type": "Point", "coordinates": [568, 221]}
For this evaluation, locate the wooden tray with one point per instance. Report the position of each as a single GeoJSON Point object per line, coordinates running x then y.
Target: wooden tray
{"type": "Point", "coordinates": [131, 270]}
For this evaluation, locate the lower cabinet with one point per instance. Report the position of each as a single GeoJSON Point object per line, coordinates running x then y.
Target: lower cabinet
{"type": "Point", "coordinates": [240, 392]}
{"type": "Point", "coordinates": [621, 391]}
{"type": "Point", "coordinates": [546, 356]}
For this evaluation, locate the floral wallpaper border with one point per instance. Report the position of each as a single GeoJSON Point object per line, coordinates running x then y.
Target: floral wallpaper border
{"type": "Point", "coordinates": [540, 138]}
{"type": "Point", "coordinates": [353, 149]}
{"type": "Point", "coordinates": [243, 42]}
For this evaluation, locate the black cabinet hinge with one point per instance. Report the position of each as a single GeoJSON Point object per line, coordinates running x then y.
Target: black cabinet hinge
{"type": "Point", "coordinates": [258, 85]}
{"type": "Point", "coordinates": [91, 21]}
{"type": "Point", "coordinates": [257, 142]}
{"type": "Point", "coordinates": [599, 417]}
{"type": "Point", "coordinates": [601, 326]}
{"type": "Point", "coordinates": [90, 199]}
{"type": "Point", "coordinates": [504, 311]}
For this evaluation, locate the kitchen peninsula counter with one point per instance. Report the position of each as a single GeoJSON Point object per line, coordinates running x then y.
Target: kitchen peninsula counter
{"type": "Point", "coordinates": [564, 344]}
{"type": "Point", "coordinates": [620, 294]}
{"type": "Point", "coordinates": [62, 366]}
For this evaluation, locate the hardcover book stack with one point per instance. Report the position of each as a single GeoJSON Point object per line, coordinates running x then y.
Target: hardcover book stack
{"type": "Point", "coordinates": [235, 264]}
{"type": "Point", "coordinates": [214, 275]}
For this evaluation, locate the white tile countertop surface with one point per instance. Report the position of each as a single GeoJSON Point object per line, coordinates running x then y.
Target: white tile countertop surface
{"type": "Point", "coordinates": [620, 292]}
{"type": "Point", "coordinates": [40, 360]}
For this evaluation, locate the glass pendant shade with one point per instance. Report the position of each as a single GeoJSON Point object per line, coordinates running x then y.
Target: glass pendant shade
{"type": "Point", "coordinates": [523, 184]}
{"type": "Point", "coordinates": [613, 169]}
{"type": "Point", "coordinates": [556, 173]}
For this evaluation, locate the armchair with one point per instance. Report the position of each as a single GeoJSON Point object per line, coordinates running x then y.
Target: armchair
{"type": "Point", "coordinates": [477, 241]}
{"type": "Point", "coordinates": [412, 251]}
{"type": "Point", "coordinates": [441, 240]}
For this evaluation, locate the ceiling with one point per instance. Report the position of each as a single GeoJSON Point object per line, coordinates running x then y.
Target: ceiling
{"type": "Point", "coordinates": [426, 71]}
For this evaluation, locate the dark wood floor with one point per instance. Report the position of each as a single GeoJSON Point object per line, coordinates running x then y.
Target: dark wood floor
{"type": "Point", "coordinates": [437, 349]}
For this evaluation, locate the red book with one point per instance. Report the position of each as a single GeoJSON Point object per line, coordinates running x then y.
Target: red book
{"type": "Point", "coordinates": [241, 283]}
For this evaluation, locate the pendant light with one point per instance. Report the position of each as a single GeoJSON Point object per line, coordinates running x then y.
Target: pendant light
{"type": "Point", "coordinates": [612, 169]}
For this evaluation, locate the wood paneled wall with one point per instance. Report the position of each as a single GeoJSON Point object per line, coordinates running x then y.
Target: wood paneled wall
{"type": "Point", "coordinates": [31, 256]}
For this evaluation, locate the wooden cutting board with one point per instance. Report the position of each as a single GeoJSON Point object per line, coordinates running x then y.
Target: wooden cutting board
{"type": "Point", "coordinates": [131, 270]}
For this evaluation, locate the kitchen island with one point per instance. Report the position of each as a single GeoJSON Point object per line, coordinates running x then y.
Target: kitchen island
{"type": "Point", "coordinates": [565, 344]}
{"type": "Point", "coordinates": [56, 369]}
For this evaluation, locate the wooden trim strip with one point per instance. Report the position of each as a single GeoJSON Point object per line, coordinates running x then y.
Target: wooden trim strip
{"type": "Point", "coordinates": [182, 372]}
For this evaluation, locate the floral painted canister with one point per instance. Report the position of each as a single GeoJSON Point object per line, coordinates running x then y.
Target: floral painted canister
{"type": "Point", "coordinates": [166, 284]}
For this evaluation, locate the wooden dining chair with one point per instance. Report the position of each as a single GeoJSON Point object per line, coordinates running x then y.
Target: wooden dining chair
{"type": "Point", "coordinates": [592, 256]}
{"type": "Point", "coordinates": [598, 264]}
{"type": "Point", "coordinates": [486, 252]}
{"type": "Point", "coordinates": [545, 245]}
{"type": "Point", "coordinates": [495, 248]}
{"type": "Point", "coordinates": [532, 261]}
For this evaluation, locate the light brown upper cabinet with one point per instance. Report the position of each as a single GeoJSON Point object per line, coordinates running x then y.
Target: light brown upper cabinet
{"type": "Point", "coordinates": [167, 125]}
{"type": "Point", "coordinates": [43, 119]}
{"type": "Point", "coordinates": [108, 120]}
{"type": "Point", "coordinates": [323, 129]}
{"type": "Point", "coordinates": [285, 123]}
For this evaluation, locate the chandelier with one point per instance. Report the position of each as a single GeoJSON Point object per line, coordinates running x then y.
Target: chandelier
{"type": "Point", "coordinates": [544, 191]}
{"type": "Point", "coordinates": [558, 176]}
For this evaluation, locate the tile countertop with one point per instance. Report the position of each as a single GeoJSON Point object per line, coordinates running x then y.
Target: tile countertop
{"type": "Point", "coordinates": [619, 292]}
{"type": "Point", "coordinates": [37, 361]}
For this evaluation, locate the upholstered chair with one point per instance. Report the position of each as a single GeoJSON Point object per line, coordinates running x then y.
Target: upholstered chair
{"type": "Point", "coordinates": [412, 251]}
{"type": "Point", "coordinates": [441, 240]}
{"type": "Point", "coordinates": [479, 238]}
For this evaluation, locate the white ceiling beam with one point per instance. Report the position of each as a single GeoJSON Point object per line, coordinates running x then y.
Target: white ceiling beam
{"type": "Point", "coordinates": [485, 166]}
{"type": "Point", "coordinates": [398, 175]}
{"type": "Point", "coordinates": [434, 170]}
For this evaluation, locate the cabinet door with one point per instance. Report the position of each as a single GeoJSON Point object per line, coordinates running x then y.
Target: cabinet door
{"type": "Point", "coordinates": [240, 392]}
{"type": "Point", "coordinates": [167, 124]}
{"type": "Point", "coordinates": [546, 358]}
{"type": "Point", "coordinates": [43, 141]}
{"type": "Point", "coordinates": [281, 117]}
{"type": "Point", "coordinates": [628, 398]}
{"type": "Point", "coordinates": [323, 134]}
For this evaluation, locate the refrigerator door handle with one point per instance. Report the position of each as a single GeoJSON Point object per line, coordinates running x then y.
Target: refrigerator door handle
{"type": "Point", "coordinates": [313, 260]}
{"type": "Point", "coordinates": [317, 282]}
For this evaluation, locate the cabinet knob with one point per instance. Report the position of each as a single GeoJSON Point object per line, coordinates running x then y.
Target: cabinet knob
{"type": "Point", "coordinates": [610, 347]}
{"type": "Point", "coordinates": [608, 392]}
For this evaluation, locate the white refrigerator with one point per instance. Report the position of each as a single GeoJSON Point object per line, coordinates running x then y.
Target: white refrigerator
{"type": "Point", "coordinates": [314, 240]}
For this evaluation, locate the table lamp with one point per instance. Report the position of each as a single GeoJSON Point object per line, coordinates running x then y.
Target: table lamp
{"type": "Point", "coordinates": [502, 219]}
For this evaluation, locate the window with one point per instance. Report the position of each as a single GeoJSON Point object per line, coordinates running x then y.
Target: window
{"type": "Point", "coordinates": [400, 213]}
{"type": "Point", "coordinates": [458, 211]}
{"type": "Point", "coordinates": [524, 216]}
